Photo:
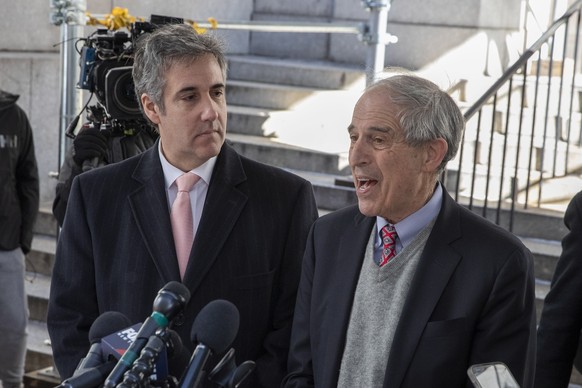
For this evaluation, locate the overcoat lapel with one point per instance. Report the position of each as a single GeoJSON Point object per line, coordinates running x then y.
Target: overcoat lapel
{"type": "Point", "coordinates": [224, 203]}
{"type": "Point", "coordinates": [350, 252]}
{"type": "Point", "coordinates": [436, 266]}
{"type": "Point", "coordinates": [149, 206]}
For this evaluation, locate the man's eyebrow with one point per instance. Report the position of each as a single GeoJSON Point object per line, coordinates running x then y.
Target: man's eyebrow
{"type": "Point", "coordinates": [196, 88]}
{"type": "Point", "coordinates": [373, 129]}
{"type": "Point", "coordinates": [381, 129]}
{"type": "Point", "coordinates": [188, 89]}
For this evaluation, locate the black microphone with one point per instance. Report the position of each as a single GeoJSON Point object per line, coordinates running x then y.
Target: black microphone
{"type": "Point", "coordinates": [93, 368]}
{"type": "Point", "coordinates": [170, 300]}
{"type": "Point", "coordinates": [94, 377]}
{"type": "Point", "coordinates": [214, 329]}
{"type": "Point", "coordinates": [105, 324]}
{"type": "Point", "coordinates": [90, 377]}
{"type": "Point", "coordinates": [164, 340]}
{"type": "Point", "coordinates": [143, 367]}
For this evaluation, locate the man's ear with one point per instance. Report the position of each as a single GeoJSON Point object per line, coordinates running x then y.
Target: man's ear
{"type": "Point", "coordinates": [435, 153]}
{"type": "Point", "coordinates": [150, 109]}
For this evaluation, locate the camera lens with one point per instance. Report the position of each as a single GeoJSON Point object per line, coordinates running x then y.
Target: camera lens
{"type": "Point", "coordinates": [120, 98]}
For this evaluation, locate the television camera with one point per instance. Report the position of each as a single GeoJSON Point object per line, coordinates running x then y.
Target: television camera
{"type": "Point", "coordinates": [106, 60]}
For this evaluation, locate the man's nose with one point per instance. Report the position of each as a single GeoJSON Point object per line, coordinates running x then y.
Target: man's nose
{"type": "Point", "coordinates": [358, 153]}
{"type": "Point", "coordinates": [209, 110]}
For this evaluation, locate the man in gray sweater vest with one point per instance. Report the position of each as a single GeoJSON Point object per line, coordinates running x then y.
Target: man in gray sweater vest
{"type": "Point", "coordinates": [408, 288]}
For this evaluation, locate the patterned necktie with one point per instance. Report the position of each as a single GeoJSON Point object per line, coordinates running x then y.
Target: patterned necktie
{"type": "Point", "coordinates": [388, 234]}
{"type": "Point", "coordinates": [181, 217]}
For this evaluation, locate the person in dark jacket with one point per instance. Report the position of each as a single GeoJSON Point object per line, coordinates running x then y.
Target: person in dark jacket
{"type": "Point", "coordinates": [92, 148]}
{"type": "Point", "coordinates": [122, 239]}
{"type": "Point", "coordinates": [408, 288]}
{"type": "Point", "coordinates": [561, 319]}
{"type": "Point", "coordinates": [19, 193]}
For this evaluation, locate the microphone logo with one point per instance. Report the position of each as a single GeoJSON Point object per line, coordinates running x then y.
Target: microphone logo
{"type": "Point", "coordinates": [117, 343]}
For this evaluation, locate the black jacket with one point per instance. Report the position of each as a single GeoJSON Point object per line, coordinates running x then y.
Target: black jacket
{"type": "Point", "coordinates": [19, 185]}
{"type": "Point", "coordinates": [561, 318]}
{"type": "Point", "coordinates": [119, 148]}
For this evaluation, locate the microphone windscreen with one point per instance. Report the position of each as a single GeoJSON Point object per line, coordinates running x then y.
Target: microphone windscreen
{"type": "Point", "coordinates": [171, 299]}
{"type": "Point", "coordinates": [107, 323]}
{"type": "Point", "coordinates": [177, 288]}
{"type": "Point", "coordinates": [216, 325]}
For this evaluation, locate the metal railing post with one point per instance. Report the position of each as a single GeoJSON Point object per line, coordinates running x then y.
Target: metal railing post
{"type": "Point", "coordinates": [376, 37]}
{"type": "Point", "coordinates": [70, 16]}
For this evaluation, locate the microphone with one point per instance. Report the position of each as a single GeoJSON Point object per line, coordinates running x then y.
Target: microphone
{"type": "Point", "coordinates": [144, 367]}
{"type": "Point", "coordinates": [170, 300]}
{"type": "Point", "coordinates": [94, 377]}
{"type": "Point", "coordinates": [105, 324]}
{"type": "Point", "coordinates": [226, 374]}
{"type": "Point", "coordinates": [89, 378]}
{"type": "Point", "coordinates": [214, 329]}
{"type": "Point", "coordinates": [93, 368]}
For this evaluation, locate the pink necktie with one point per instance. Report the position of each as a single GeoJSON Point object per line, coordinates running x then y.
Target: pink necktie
{"type": "Point", "coordinates": [181, 217]}
{"type": "Point", "coordinates": [388, 234]}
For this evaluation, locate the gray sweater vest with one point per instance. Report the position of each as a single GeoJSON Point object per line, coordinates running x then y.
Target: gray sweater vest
{"type": "Point", "coordinates": [378, 301]}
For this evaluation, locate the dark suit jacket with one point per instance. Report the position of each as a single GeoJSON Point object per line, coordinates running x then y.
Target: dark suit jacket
{"type": "Point", "coordinates": [561, 320]}
{"type": "Point", "coordinates": [116, 251]}
{"type": "Point", "coordinates": [471, 301]}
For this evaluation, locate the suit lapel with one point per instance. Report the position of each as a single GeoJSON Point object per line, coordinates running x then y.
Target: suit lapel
{"type": "Point", "coordinates": [436, 266]}
{"type": "Point", "coordinates": [150, 210]}
{"type": "Point", "coordinates": [224, 203]}
{"type": "Point", "coordinates": [341, 289]}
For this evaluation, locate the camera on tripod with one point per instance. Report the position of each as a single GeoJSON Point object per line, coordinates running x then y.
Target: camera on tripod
{"type": "Point", "coordinates": [105, 67]}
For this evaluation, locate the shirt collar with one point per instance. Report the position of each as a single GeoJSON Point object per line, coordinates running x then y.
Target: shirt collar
{"type": "Point", "coordinates": [409, 227]}
{"type": "Point", "coordinates": [171, 172]}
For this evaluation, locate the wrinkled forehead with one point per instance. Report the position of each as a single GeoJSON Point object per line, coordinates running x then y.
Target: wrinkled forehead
{"type": "Point", "coordinates": [376, 105]}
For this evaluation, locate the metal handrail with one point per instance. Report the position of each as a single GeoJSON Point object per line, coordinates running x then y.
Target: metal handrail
{"type": "Point", "coordinates": [301, 27]}
{"type": "Point", "coordinates": [519, 63]}
{"type": "Point", "coordinates": [514, 145]}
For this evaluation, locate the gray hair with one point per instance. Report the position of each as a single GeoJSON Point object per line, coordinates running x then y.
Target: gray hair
{"type": "Point", "coordinates": [169, 44]}
{"type": "Point", "coordinates": [425, 112]}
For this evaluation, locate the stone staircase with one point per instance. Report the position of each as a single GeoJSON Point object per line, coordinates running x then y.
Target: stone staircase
{"type": "Point", "coordinates": [291, 114]}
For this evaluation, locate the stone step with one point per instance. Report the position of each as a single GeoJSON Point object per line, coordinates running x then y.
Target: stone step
{"type": "Point", "coordinates": [37, 288]}
{"type": "Point", "coordinates": [45, 221]}
{"type": "Point", "coordinates": [246, 120]}
{"type": "Point", "coordinates": [39, 352]}
{"type": "Point", "coordinates": [270, 151]}
{"type": "Point", "coordinates": [42, 378]}
{"type": "Point", "coordinates": [40, 259]}
{"type": "Point", "coordinates": [265, 95]}
{"type": "Point", "coordinates": [546, 254]}
{"type": "Point", "coordinates": [287, 71]}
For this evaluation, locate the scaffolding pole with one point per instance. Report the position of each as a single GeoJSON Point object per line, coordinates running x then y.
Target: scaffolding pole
{"type": "Point", "coordinates": [70, 16]}
{"type": "Point", "coordinates": [376, 37]}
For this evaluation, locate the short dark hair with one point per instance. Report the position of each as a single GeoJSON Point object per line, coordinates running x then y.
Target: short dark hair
{"type": "Point", "coordinates": [157, 51]}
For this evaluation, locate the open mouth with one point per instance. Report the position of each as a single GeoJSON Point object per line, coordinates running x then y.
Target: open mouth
{"type": "Point", "coordinates": [364, 184]}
